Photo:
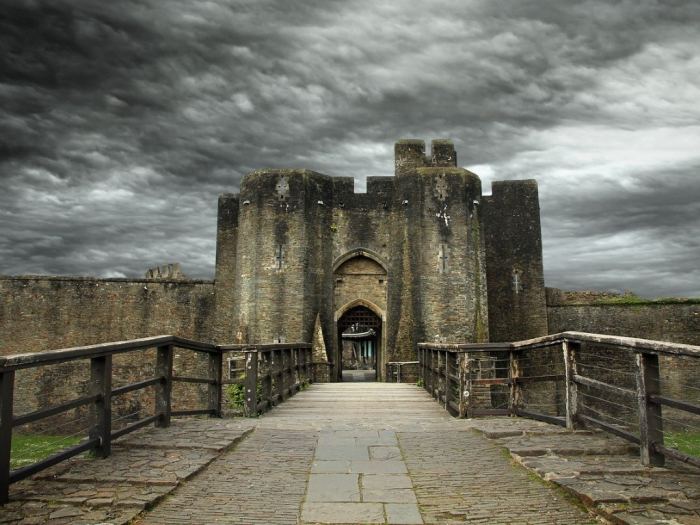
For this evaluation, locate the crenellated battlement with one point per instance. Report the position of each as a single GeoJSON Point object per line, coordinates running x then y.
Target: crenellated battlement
{"type": "Point", "coordinates": [409, 154]}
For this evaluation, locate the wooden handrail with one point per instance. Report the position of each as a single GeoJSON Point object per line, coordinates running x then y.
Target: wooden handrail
{"type": "Point", "coordinates": [643, 368]}
{"type": "Point", "coordinates": [633, 343]}
{"type": "Point", "coordinates": [294, 369]}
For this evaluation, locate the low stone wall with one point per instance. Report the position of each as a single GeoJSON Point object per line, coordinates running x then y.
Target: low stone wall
{"type": "Point", "coordinates": [674, 320]}
{"type": "Point", "coordinates": [46, 313]}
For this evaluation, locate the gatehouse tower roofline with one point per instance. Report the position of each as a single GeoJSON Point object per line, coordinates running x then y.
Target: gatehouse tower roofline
{"type": "Point", "coordinates": [409, 154]}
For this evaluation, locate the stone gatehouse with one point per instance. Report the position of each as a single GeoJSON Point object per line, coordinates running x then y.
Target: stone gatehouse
{"type": "Point", "coordinates": [421, 256]}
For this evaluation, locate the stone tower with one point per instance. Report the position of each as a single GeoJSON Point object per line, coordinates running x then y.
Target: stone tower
{"type": "Point", "coordinates": [414, 258]}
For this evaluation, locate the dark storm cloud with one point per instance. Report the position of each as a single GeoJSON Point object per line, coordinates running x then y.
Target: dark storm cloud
{"type": "Point", "coordinates": [120, 122]}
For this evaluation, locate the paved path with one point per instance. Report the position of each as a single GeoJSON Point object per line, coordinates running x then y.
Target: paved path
{"type": "Point", "coordinates": [363, 453]}
{"type": "Point", "coordinates": [357, 453]}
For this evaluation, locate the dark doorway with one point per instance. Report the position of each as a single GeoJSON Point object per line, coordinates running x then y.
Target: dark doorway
{"type": "Point", "coordinates": [359, 337]}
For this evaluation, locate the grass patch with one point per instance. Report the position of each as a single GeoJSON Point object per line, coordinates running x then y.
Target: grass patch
{"type": "Point", "coordinates": [632, 299]}
{"type": "Point", "coordinates": [30, 448]}
{"type": "Point", "coordinates": [687, 442]}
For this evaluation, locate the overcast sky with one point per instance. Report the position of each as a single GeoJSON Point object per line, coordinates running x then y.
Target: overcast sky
{"type": "Point", "coordinates": [121, 121]}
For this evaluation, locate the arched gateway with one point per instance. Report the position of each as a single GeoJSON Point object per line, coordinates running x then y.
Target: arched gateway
{"type": "Point", "coordinates": [360, 302]}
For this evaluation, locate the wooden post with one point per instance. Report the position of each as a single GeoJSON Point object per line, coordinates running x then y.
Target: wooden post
{"type": "Point", "coordinates": [516, 389]}
{"type": "Point", "coordinates": [251, 382]}
{"type": "Point", "coordinates": [420, 366]}
{"type": "Point", "coordinates": [7, 388]}
{"type": "Point", "coordinates": [448, 382]}
{"type": "Point", "coordinates": [463, 392]}
{"type": "Point", "coordinates": [215, 375]}
{"type": "Point", "coordinates": [435, 381]}
{"type": "Point", "coordinates": [469, 400]}
{"type": "Point", "coordinates": [570, 371]}
{"type": "Point", "coordinates": [267, 382]}
{"type": "Point", "coordinates": [101, 410]}
{"type": "Point", "coordinates": [164, 389]}
{"type": "Point", "coordinates": [284, 375]}
{"type": "Point", "coordinates": [650, 423]}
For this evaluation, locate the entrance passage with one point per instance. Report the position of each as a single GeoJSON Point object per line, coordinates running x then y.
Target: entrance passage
{"type": "Point", "coordinates": [359, 336]}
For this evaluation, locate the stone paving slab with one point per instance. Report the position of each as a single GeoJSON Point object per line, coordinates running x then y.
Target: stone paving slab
{"type": "Point", "coordinates": [499, 427]}
{"type": "Point", "coordinates": [552, 467]}
{"type": "Point", "coordinates": [91, 494]}
{"type": "Point", "coordinates": [333, 488]}
{"type": "Point", "coordinates": [214, 434]}
{"type": "Point", "coordinates": [614, 484]}
{"type": "Point", "coordinates": [616, 488]}
{"type": "Point", "coordinates": [343, 513]}
{"type": "Point", "coordinates": [567, 444]}
{"type": "Point", "coordinates": [135, 477]}
{"type": "Point", "coordinates": [261, 481]}
{"type": "Point", "coordinates": [463, 477]}
{"type": "Point", "coordinates": [39, 513]}
{"type": "Point", "coordinates": [138, 465]}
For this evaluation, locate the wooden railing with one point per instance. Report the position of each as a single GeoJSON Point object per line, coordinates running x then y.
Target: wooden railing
{"type": "Point", "coordinates": [288, 367]}
{"type": "Point", "coordinates": [394, 371]}
{"type": "Point", "coordinates": [273, 372]}
{"type": "Point", "coordinates": [577, 380]}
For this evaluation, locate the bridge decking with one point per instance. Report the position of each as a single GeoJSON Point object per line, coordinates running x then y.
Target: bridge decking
{"type": "Point", "coordinates": [335, 453]}
{"type": "Point", "coordinates": [363, 453]}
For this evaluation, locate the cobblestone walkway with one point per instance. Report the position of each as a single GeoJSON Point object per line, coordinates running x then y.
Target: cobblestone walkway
{"type": "Point", "coordinates": [357, 453]}
{"type": "Point", "coordinates": [349, 454]}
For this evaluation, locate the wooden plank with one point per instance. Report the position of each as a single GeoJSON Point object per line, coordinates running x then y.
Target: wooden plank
{"type": "Point", "coordinates": [7, 390]}
{"type": "Point", "coordinates": [555, 420]}
{"type": "Point", "coordinates": [195, 412]}
{"type": "Point", "coordinates": [197, 346]}
{"type": "Point", "coordinates": [677, 455]}
{"type": "Point", "coordinates": [197, 380]}
{"type": "Point", "coordinates": [251, 382]}
{"type": "Point", "coordinates": [619, 391]}
{"type": "Point", "coordinates": [609, 428]}
{"type": "Point", "coordinates": [539, 379]}
{"type": "Point", "coordinates": [650, 422]}
{"type": "Point", "coordinates": [63, 355]}
{"type": "Point", "coordinates": [571, 389]}
{"type": "Point", "coordinates": [516, 391]}
{"type": "Point", "coordinates": [52, 411]}
{"type": "Point", "coordinates": [135, 426]}
{"type": "Point", "coordinates": [491, 381]}
{"type": "Point", "coordinates": [101, 409]}
{"type": "Point", "coordinates": [29, 470]}
{"type": "Point", "coordinates": [214, 390]}
{"type": "Point", "coordinates": [462, 365]}
{"type": "Point", "coordinates": [675, 403]}
{"type": "Point", "coordinates": [164, 369]}
{"type": "Point", "coordinates": [136, 386]}
{"type": "Point", "coordinates": [267, 347]}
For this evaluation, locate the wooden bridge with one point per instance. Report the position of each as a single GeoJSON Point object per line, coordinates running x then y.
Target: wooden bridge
{"type": "Point", "coordinates": [365, 452]}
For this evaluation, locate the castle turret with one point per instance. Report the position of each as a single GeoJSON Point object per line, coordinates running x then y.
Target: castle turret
{"type": "Point", "coordinates": [409, 154]}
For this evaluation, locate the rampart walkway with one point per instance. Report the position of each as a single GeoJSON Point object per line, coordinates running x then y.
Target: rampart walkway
{"type": "Point", "coordinates": [335, 453]}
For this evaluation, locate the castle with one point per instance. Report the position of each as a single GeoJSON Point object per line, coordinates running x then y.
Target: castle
{"type": "Point", "coordinates": [422, 256]}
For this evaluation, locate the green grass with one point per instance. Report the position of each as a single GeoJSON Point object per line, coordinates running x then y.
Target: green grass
{"type": "Point", "coordinates": [632, 299]}
{"type": "Point", "coordinates": [687, 442]}
{"type": "Point", "coordinates": [30, 448]}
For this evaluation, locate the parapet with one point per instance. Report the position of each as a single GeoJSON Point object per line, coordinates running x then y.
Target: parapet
{"type": "Point", "coordinates": [409, 154]}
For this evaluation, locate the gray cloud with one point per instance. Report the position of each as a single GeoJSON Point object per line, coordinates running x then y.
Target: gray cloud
{"type": "Point", "coordinates": [121, 122]}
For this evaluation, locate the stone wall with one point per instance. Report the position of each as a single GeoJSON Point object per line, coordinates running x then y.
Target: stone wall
{"type": "Point", "coordinates": [45, 313]}
{"type": "Point", "coordinates": [515, 275]}
{"type": "Point", "coordinates": [677, 321]}
{"type": "Point", "coordinates": [296, 227]}
{"type": "Point", "coordinates": [671, 320]}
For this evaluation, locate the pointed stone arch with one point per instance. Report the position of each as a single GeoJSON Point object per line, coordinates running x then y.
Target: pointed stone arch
{"type": "Point", "coordinates": [359, 252]}
{"type": "Point", "coordinates": [360, 302]}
